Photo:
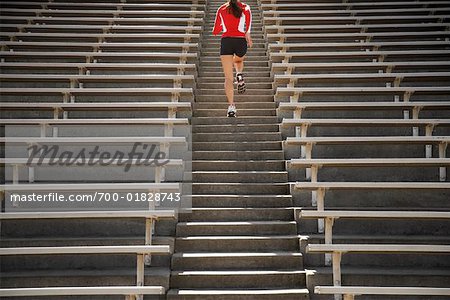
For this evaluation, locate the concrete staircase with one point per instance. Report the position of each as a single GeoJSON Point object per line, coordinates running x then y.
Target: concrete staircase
{"type": "Point", "coordinates": [240, 241]}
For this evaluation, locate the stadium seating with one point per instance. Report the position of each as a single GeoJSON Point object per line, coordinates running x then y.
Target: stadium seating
{"type": "Point", "coordinates": [78, 74]}
{"type": "Point", "coordinates": [359, 90]}
{"type": "Point", "coordinates": [358, 84]}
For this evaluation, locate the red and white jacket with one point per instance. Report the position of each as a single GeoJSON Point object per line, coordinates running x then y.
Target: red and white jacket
{"type": "Point", "coordinates": [229, 24]}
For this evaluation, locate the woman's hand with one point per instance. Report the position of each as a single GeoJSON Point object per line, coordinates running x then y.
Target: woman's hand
{"type": "Point", "coordinates": [249, 39]}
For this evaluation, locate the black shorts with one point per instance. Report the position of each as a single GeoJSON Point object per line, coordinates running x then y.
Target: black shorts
{"type": "Point", "coordinates": [233, 45]}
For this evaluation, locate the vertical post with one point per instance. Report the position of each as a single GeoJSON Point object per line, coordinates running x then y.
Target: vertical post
{"type": "Point", "coordinates": [15, 174]}
{"type": "Point", "coordinates": [308, 154]}
{"type": "Point", "coordinates": [428, 148]}
{"type": "Point", "coordinates": [337, 272]}
{"type": "Point", "coordinates": [31, 169]}
{"type": "Point", "coordinates": [442, 170]}
{"type": "Point", "coordinates": [320, 198]}
{"type": "Point", "coordinates": [328, 238]}
{"type": "Point", "coordinates": [314, 171]}
{"type": "Point", "coordinates": [140, 269]}
{"type": "Point", "coordinates": [415, 116]}
{"type": "Point", "coordinates": [148, 239]}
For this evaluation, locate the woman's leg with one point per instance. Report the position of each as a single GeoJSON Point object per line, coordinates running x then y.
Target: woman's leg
{"type": "Point", "coordinates": [238, 64]}
{"type": "Point", "coordinates": [227, 65]}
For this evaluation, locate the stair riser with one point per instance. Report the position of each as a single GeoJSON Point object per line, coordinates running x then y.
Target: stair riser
{"type": "Point", "coordinates": [237, 245]}
{"type": "Point", "coordinates": [231, 121]}
{"type": "Point", "coordinates": [228, 129]}
{"type": "Point", "coordinates": [249, 91]}
{"type": "Point", "coordinates": [209, 137]}
{"type": "Point", "coordinates": [219, 85]}
{"type": "Point", "coordinates": [239, 281]}
{"type": "Point", "coordinates": [241, 189]}
{"type": "Point", "coordinates": [248, 80]}
{"type": "Point", "coordinates": [223, 177]}
{"type": "Point", "coordinates": [280, 296]}
{"type": "Point", "coordinates": [240, 112]}
{"type": "Point", "coordinates": [237, 146]}
{"type": "Point", "coordinates": [214, 52]}
{"type": "Point", "coordinates": [238, 215]}
{"type": "Point", "coordinates": [244, 156]}
{"type": "Point", "coordinates": [219, 74]}
{"type": "Point", "coordinates": [214, 46]}
{"type": "Point", "coordinates": [236, 263]}
{"type": "Point", "coordinates": [238, 166]}
{"type": "Point", "coordinates": [241, 201]}
{"type": "Point", "coordinates": [237, 98]}
{"type": "Point", "coordinates": [242, 106]}
{"type": "Point", "coordinates": [256, 61]}
{"type": "Point", "coordinates": [203, 230]}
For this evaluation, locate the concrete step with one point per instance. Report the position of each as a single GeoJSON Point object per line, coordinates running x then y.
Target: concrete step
{"type": "Point", "coordinates": [381, 260]}
{"type": "Point", "coordinates": [237, 98]}
{"type": "Point", "coordinates": [236, 146]}
{"type": "Point", "coordinates": [237, 243]}
{"type": "Point", "coordinates": [240, 188]}
{"type": "Point", "coordinates": [220, 91]}
{"type": "Point", "coordinates": [241, 105]}
{"type": "Point", "coordinates": [387, 227]}
{"type": "Point", "coordinates": [383, 276]}
{"type": "Point", "coordinates": [80, 228]}
{"type": "Point", "coordinates": [211, 46]}
{"type": "Point", "coordinates": [261, 60]}
{"type": "Point", "coordinates": [241, 201]}
{"type": "Point", "coordinates": [236, 228]}
{"type": "Point", "coordinates": [233, 121]}
{"type": "Point", "coordinates": [85, 241]}
{"type": "Point", "coordinates": [256, 61]}
{"type": "Point", "coordinates": [240, 112]}
{"type": "Point", "coordinates": [229, 214]}
{"type": "Point", "coordinates": [238, 155]}
{"type": "Point", "coordinates": [201, 261]}
{"type": "Point", "coordinates": [235, 294]}
{"type": "Point", "coordinates": [217, 72]}
{"type": "Point", "coordinates": [235, 128]}
{"type": "Point", "coordinates": [238, 279]}
{"type": "Point", "coordinates": [251, 53]}
{"type": "Point", "coordinates": [84, 277]}
{"type": "Point", "coordinates": [238, 165]}
{"type": "Point", "coordinates": [239, 176]}
{"type": "Point", "coordinates": [237, 137]}
{"type": "Point", "coordinates": [61, 262]}
{"type": "Point", "coordinates": [248, 80]}
{"type": "Point", "coordinates": [218, 85]}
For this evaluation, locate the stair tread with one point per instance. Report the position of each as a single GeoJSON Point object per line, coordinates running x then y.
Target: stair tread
{"type": "Point", "coordinates": [241, 237]}
{"type": "Point", "coordinates": [236, 254]}
{"type": "Point", "coordinates": [239, 272]}
{"type": "Point", "coordinates": [236, 291]}
{"type": "Point", "coordinates": [236, 223]}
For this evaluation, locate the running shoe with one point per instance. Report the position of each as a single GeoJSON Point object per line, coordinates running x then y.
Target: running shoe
{"type": "Point", "coordinates": [240, 83]}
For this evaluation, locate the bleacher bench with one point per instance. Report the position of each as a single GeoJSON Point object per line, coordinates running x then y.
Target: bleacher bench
{"type": "Point", "coordinates": [350, 292]}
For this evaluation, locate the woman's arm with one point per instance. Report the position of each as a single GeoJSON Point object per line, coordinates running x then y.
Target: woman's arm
{"type": "Point", "coordinates": [248, 23]}
{"type": "Point", "coordinates": [218, 23]}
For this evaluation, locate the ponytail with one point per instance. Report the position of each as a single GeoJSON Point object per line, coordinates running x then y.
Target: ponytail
{"type": "Point", "coordinates": [234, 8]}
